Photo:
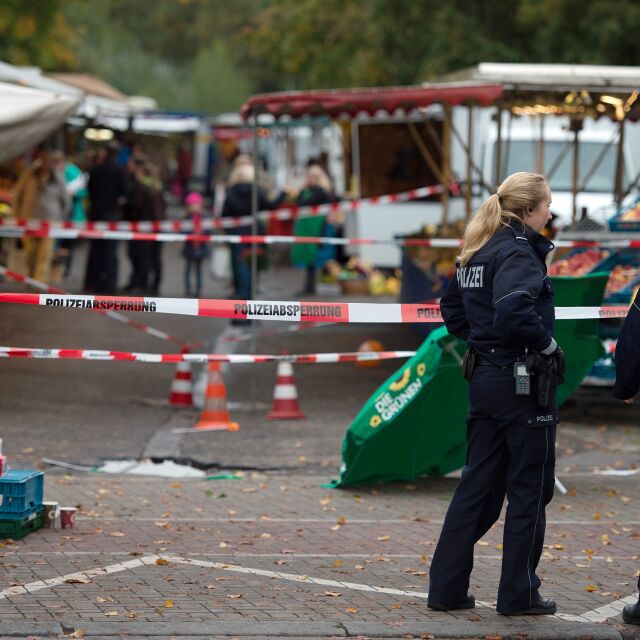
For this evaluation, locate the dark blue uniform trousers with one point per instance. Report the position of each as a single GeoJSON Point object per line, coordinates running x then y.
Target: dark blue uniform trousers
{"type": "Point", "coordinates": [511, 451]}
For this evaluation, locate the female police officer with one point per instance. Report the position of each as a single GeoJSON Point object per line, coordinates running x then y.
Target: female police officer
{"type": "Point", "coordinates": [501, 304]}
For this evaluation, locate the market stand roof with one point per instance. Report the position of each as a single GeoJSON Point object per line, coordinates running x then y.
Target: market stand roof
{"type": "Point", "coordinates": [351, 102]}
{"type": "Point", "coordinates": [563, 89]}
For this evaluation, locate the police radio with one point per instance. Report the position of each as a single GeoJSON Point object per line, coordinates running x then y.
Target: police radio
{"type": "Point", "coordinates": [523, 378]}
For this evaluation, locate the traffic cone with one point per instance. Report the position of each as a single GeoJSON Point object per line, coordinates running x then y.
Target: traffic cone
{"type": "Point", "coordinates": [214, 416]}
{"type": "Point", "coordinates": [285, 395]}
{"type": "Point", "coordinates": [180, 395]}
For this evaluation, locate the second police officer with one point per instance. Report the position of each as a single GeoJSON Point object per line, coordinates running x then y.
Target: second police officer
{"type": "Point", "coordinates": [501, 304]}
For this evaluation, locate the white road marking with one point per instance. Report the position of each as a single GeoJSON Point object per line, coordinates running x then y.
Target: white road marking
{"type": "Point", "coordinates": [601, 614]}
{"type": "Point", "coordinates": [332, 521]}
{"type": "Point", "coordinates": [99, 571]}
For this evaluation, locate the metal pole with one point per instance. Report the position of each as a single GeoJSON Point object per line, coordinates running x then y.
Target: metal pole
{"type": "Point", "coordinates": [540, 154]}
{"type": "Point", "coordinates": [620, 165]}
{"type": "Point", "coordinates": [446, 165]}
{"type": "Point", "coordinates": [254, 257]}
{"type": "Point", "coordinates": [468, 194]}
{"type": "Point", "coordinates": [355, 159]}
{"type": "Point", "coordinates": [498, 150]}
{"type": "Point", "coordinates": [574, 187]}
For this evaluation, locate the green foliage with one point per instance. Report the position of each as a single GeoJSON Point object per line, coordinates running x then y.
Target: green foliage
{"type": "Point", "coordinates": [209, 55]}
{"type": "Point", "coordinates": [35, 33]}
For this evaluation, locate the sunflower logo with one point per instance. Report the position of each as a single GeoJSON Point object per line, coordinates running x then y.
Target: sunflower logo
{"type": "Point", "coordinates": [421, 368]}
{"type": "Point", "coordinates": [375, 421]}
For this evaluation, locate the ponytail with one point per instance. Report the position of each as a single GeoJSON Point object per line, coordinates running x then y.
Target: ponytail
{"type": "Point", "coordinates": [518, 192]}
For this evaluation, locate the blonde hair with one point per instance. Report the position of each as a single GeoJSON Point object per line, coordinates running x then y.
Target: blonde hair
{"type": "Point", "coordinates": [318, 173]}
{"type": "Point", "coordinates": [518, 193]}
{"type": "Point", "coordinates": [241, 174]}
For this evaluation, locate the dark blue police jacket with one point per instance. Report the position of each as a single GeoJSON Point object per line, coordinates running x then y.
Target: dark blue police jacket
{"type": "Point", "coordinates": [501, 301]}
{"type": "Point", "coordinates": [628, 355]}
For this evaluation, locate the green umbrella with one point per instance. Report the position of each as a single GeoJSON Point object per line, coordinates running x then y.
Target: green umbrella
{"type": "Point", "coordinates": [415, 422]}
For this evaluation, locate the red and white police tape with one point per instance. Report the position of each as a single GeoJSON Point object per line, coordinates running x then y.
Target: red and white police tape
{"type": "Point", "coordinates": [156, 333]}
{"type": "Point", "coordinates": [284, 311]}
{"type": "Point", "coordinates": [45, 230]}
{"type": "Point", "coordinates": [234, 358]}
{"type": "Point", "coordinates": [282, 213]}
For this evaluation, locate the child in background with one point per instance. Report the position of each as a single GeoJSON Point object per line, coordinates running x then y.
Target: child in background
{"type": "Point", "coordinates": [194, 251]}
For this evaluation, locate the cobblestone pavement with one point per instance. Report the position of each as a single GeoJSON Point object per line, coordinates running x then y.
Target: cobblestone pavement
{"type": "Point", "coordinates": [274, 553]}
{"type": "Point", "coordinates": [154, 556]}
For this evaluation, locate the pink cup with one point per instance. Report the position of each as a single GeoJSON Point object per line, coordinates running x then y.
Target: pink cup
{"type": "Point", "coordinates": [67, 517]}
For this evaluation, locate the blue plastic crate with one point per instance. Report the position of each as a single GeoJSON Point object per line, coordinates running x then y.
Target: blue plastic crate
{"type": "Point", "coordinates": [616, 223]}
{"type": "Point", "coordinates": [20, 494]}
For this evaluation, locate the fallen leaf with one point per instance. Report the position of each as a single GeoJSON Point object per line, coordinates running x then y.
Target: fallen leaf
{"type": "Point", "coordinates": [473, 618]}
{"type": "Point", "coordinates": [325, 501]}
{"type": "Point", "coordinates": [266, 535]}
{"type": "Point", "coordinates": [77, 580]}
{"type": "Point", "coordinates": [351, 610]}
{"type": "Point", "coordinates": [111, 613]}
{"type": "Point", "coordinates": [335, 527]}
{"type": "Point", "coordinates": [558, 546]}
{"type": "Point", "coordinates": [342, 520]}
{"type": "Point", "coordinates": [168, 604]}
{"type": "Point", "coordinates": [161, 561]}
{"type": "Point", "coordinates": [597, 515]}
{"type": "Point", "coordinates": [249, 490]}
{"type": "Point", "coordinates": [223, 545]}
{"type": "Point", "coordinates": [78, 633]}
{"type": "Point", "coordinates": [427, 636]}
{"type": "Point", "coordinates": [332, 594]}
{"type": "Point", "coordinates": [396, 606]}
{"type": "Point", "coordinates": [163, 524]}
{"type": "Point", "coordinates": [625, 499]}
{"type": "Point", "coordinates": [99, 599]}
{"type": "Point", "coordinates": [279, 562]}
{"type": "Point", "coordinates": [591, 588]}
{"type": "Point", "coordinates": [482, 543]}
{"type": "Point", "coordinates": [117, 534]}
{"type": "Point", "coordinates": [176, 485]}
{"type": "Point", "coordinates": [493, 636]}
{"type": "Point", "coordinates": [234, 596]}
{"type": "Point", "coordinates": [383, 538]}
{"type": "Point", "coordinates": [131, 614]}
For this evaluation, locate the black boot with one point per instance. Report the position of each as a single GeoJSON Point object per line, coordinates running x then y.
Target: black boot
{"type": "Point", "coordinates": [468, 603]}
{"type": "Point", "coordinates": [631, 613]}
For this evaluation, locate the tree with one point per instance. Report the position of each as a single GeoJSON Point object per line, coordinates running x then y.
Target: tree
{"type": "Point", "coordinates": [36, 33]}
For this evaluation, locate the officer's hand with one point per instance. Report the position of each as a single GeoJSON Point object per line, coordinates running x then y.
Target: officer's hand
{"type": "Point", "coordinates": [629, 401]}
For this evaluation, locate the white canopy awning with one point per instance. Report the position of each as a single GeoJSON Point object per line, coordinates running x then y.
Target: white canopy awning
{"type": "Point", "coordinates": [29, 116]}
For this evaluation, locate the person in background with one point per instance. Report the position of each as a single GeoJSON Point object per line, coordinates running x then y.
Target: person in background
{"type": "Point", "coordinates": [501, 303]}
{"type": "Point", "coordinates": [158, 213]}
{"type": "Point", "coordinates": [106, 195]}
{"type": "Point", "coordinates": [316, 190]}
{"type": "Point", "coordinates": [140, 207]}
{"type": "Point", "coordinates": [237, 202]}
{"type": "Point", "coordinates": [52, 205]}
{"type": "Point", "coordinates": [626, 387]}
{"type": "Point", "coordinates": [76, 183]}
{"type": "Point", "coordinates": [194, 252]}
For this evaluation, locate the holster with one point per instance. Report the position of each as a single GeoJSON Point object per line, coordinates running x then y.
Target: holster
{"type": "Point", "coordinates": [548, 374]}
{"type": "Point", "coordinates": [468, 363]}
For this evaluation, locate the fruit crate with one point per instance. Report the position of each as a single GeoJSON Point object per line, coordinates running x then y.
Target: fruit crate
{"type": "Point", "coordinates": [18, 529]}
{"type": "Point", "coordinates": [20, 494]}
{"type": "Point", "coordinates": [574, 262]}
{"type": "Point", "coordinates": [627, 218]}
{"type": "Point", "coordinates": [625, 258]}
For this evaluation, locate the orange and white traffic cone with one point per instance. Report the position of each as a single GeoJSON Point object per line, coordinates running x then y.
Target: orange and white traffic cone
{"type": "Point", "coordinates": [285, 396]}
{"type": "Point", "coordinates": [180, 395]}
{"type": "Point", "coordinates": [214, 416]}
